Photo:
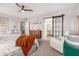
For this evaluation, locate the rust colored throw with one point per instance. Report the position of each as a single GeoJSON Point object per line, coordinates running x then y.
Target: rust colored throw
{"type": "Point", "coordinates": [26, 43]}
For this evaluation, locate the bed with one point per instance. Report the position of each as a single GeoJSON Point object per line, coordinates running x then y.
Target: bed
{"type": "Point", "coordinates": [8, 46]}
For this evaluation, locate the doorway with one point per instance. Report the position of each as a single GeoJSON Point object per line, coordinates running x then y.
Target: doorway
{"type": "Point", "coordinates": [22, 27]}
{"type": "Point", "coordinates": [48, 27]}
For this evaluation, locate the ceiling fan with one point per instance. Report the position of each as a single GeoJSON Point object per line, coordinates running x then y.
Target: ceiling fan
{"type": "Point", "coordinates": [23, 8]}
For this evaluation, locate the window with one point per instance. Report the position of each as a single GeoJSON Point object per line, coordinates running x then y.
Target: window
{"type": "Point", "coordinates": [57, 26]}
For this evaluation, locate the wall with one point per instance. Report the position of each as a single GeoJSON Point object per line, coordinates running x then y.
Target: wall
{"type": "Point", "coordinates": [37, 23]}
{"type": "Point", "coordinates": [27, 27]}
{"type": "Point", "coordinates": [15, 22]}
{"type": "Point", "coordinates": [69, 20]}
{"type": "Point", "coordinates": [10, 23]}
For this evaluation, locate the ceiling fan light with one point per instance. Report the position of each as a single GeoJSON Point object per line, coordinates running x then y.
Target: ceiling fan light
{"type": "Point", "coordinates": [22, 10]}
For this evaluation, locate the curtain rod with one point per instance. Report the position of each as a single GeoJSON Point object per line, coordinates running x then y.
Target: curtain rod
{"type": "Point", "coordinates": [54, 16]}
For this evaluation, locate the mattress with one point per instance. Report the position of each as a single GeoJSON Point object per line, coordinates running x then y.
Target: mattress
{"type": "Point", "coordinates": [7, 44]}
{"type": "Point", "coordinates": [9, 48]}
{"type": "Point", "coordinates": [18, 52]}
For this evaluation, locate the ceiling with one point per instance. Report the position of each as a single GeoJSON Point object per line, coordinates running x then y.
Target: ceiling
{"type": "Point", "coordinates": [39, 8]}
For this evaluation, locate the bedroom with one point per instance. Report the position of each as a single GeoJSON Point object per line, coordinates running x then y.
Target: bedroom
{"type": "Point", "coordinates": [18, 19]}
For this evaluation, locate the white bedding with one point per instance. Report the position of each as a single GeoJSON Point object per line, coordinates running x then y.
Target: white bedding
{"type": "Point", "coordinates": [7, 43]}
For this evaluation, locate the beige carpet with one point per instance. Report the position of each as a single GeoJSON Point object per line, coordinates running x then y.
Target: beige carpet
{"type": "Point", "coordinates": [45, 50]}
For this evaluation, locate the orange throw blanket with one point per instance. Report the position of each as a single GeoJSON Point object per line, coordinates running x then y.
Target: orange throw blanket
{"type": "Point", "coordinates": [26, 43]}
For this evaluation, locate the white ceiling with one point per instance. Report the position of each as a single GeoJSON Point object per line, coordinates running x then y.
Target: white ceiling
{"type": "Point", "coordinates": [39, 8]}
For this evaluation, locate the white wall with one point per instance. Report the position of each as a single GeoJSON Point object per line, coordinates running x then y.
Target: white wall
{"type": "Point", "coordinates": [15, 22]}
{"type": "Point", "coordinates": [37, 23]}
{"type": "Point", "coordinates": [69, 20]}
{"type": "Point", "coordinates": [11, 22]}
{"type": "Point", "coordinates": [27, 27]}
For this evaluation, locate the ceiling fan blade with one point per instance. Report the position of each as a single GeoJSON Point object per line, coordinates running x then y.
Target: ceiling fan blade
{"type": "Point", "coordinates": [27, 10]}
{"type": "Point", "coordinates": [18, 5]}
{"type": "Point", "coordinates": [22, 7]}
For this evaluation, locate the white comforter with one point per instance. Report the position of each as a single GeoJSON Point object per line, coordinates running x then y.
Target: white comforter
{"type": "Point", "coordinates": [7, 43]}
